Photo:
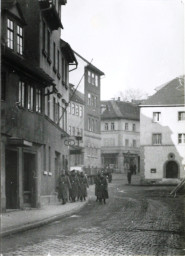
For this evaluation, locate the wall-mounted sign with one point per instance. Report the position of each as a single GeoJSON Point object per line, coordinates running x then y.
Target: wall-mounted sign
{"type": "Point", "coordinates": [69, 142]}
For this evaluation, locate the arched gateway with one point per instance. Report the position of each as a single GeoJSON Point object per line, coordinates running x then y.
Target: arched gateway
{"type": "Point", "coordinates": [172, 169]}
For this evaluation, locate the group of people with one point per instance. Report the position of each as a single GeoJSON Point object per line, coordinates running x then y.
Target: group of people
{"type": "Point", "coordinates": [101, 187]}
{"type": "Point", "coordinates": [72, 186]}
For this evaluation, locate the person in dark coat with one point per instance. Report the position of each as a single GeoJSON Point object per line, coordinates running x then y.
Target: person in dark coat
{"type": "Point", "coordinates": [74, 186]}
{"type": "Point", "coordinates": [96, 182]}
{"type": "Point", "coordinates": [79, 185]}
{"type": "Point", "coordinates": [102, 189]}
{"type": "Point", "coordinates": [63, 187]}
{"type": "Point", "coordinates": [83, 186]}
{"type": "Point", "coordinates": [129, 173]}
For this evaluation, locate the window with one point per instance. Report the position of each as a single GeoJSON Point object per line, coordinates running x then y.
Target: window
{"type": "Point", "coordinates": [134, 143]}
{"type": "Point", "coordinates": [43, 35]}
{"type": "Point", "coordinates": [126, 142]}
{"type": "Point", "coordinates": [69, 130]}
{"type": "Point", "coordinates": [19, 40]}
{"type": "Point", "coordinates": [64, 118]}
{"type": "Point", "coordinates": [54, 109]}
{"type": "Point", "coordinates": [156, 116]}
{"type": "Point", "coordinates": [96, 80]}
{"type": "Point", "coordinates": [54, 57]}
{"type": "Point", "coordinates": [181, 116]}
{"type": "Point", "coordinates": [92, 125]}
{"type": "Point", "coordinates": [69, 108]}
{"type": "Point", "coordinates": [112, 126]}
{"type": "Point", "coordinates": [95, 101]}
{"type": "Point", "coordinates": [48, 43]}
{"type": "Point", "coordinates": [89, 77]}
{"type": "Point", "coordinates": [72, 108]}
{"type": "Point", "coordinates": [38, 100]}
{"type": "Point", "coordinates": [81, 132]}
{"type": "Point", "coordinates": [48, 103]}
{"type": "Point", "coordinates": [3, 85]}
{"type": "Point", "coordinates": [77, 131]}
{"type": "Point", "coordinates": [157, 139]}
{"type": "Point", "coordinates": [92, 100]}
{"type": "Point", "coordinates": [89, 125]}
{"type": "Point", "coordinates": [126, 126]}
{"type": "Point", "coordinates": [181, 138]}
{"type": "Point", "coordinates": [81, 111]}
{"type": "Point", "coordinates": [10, 34]}
{"type": "Point", "coordinates": [77, 110]}
{"type": "Point", "coordinates": [106, 126]}
{"type": "Point", "coordinates": [30, 97]}
{"type": "Point", "coordinates": [133, 127]}
{"type": "Point", "coordinates": [21, 94]}
{"type": "Point", "coordinates": [93, 79]}
{"type": "Point", "coordinates": [73, 131]}
{"type": "Point", "coordinates": [58, 61]}
{"type": "Point", "coordinates": [89, 99]}
{"type": "Point", "coordinates": [63, 70]}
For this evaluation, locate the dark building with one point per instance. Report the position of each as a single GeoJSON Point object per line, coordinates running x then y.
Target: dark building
{"type": "Point", "coordinates": [34, 97]}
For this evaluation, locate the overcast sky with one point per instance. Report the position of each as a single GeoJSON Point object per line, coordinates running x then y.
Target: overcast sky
{"type": "Point", "coordinates": [138, 44]}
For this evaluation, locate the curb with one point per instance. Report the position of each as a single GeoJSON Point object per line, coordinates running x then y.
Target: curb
{"type": "Point", "coordinates": [43, 222]}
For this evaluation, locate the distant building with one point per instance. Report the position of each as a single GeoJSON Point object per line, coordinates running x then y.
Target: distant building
{"type": "Point", "coordinates": [76, 127]}
{"type": "Point", "coordinates": [162, 134]}
{"type": "Point", "coordinates": [34, 96]}
{"type": "Point", "coordinates": [120, 134]}
{"type": "Point", "coordinates": [88, 79]}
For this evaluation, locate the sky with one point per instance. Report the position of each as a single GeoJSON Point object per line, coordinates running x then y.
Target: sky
{"type": "Point", "coordinates": [138, 44]}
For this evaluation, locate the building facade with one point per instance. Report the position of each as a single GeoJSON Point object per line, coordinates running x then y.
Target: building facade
{"type": "Point", "coordinates": [76, 127]}
{"type": "Point", "coordinates": [120, 131]}
{"type": "Point", "coordinates": [162, 129]}
{"type": "Point", "coordinates": [87, 80]}
{"type": "Point", "coordinates": [34, 97]}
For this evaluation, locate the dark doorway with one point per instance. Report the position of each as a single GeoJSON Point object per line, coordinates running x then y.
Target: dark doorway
{"type": "Point", "coordinates": [29, 180]}
{"type": "Point", "coordinates": [171, 169]}
{"type": "Point", "coordinates": [11, 179]}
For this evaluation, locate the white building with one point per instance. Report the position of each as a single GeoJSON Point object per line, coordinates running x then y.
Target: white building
{"type": "Point", "coordinates": [162, 134]}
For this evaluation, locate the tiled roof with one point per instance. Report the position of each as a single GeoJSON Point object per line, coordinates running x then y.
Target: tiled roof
{"type": "Point", "coordinates": [171, 93]}
{"type": "Point", "coordinates": [120, 110]}
{"type": "Point", "coordinates": [76, 96]}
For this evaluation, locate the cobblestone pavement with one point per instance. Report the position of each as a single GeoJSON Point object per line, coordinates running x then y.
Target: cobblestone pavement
{"type": "Point", "coordinates": [135, 221]}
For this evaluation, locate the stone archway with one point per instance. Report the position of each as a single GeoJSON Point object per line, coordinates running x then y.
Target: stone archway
{"type": "Point", "coordinates": [172, 169]}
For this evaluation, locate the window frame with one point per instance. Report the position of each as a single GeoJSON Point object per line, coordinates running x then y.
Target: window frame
{"type": "Point", "coordinates": [181, 115]}
{"type": "Point", "coordinates": [106, 126]}
{"type": "Point", "coordinates": [181, 138]}
{"type": "Point", "coordinates": [10, 33]}
{"type": "Point", "coordinates": [19, 41]}
{"type": "Point", "coordinates": [156, 139]}
{"type": "Point", "coordinates": [156, 117]}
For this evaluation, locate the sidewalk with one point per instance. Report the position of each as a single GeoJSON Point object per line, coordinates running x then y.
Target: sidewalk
{"type": "Point", "coordinates": [21, 220]}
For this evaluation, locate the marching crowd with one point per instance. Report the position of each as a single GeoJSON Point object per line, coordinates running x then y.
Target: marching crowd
{"type": "Point", "coordinates": [72, 186]}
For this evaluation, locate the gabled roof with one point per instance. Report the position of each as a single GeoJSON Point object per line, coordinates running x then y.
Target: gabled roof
{"type": "Point", "coordinates": [89, 65]}
{"type": "Point", "coordinates": [120, 110]}
{"type": "Point", "coordinates": [9, 5]}
{"type": "Point", "coordinates": [172, 93]}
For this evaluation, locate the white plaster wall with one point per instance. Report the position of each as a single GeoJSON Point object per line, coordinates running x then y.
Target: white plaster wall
{"type": "Point", "coordinates": [169, 127]}
{"type": "Point", "coordinates": [155, 158]}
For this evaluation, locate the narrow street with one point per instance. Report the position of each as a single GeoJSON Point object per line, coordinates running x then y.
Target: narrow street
{"type": "Point", "coordinates": [136, 220]}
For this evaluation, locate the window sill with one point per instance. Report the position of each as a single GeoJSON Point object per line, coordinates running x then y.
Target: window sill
{"type": "Point", "coordinates": [49, 60]}
{"type": "Point", "coordinates": [58, 75]}
{"type": "Point", "coordinates": [54, 70]}
{"type": "Point", "coordinates": [44, 53]}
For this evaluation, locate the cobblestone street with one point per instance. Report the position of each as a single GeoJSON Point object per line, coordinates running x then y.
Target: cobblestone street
{"type": "Point", "coordinates": [135, 221]}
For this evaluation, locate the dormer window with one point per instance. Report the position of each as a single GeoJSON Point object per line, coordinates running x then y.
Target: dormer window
{"type": "Point", "coordinates": [10, 34]}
